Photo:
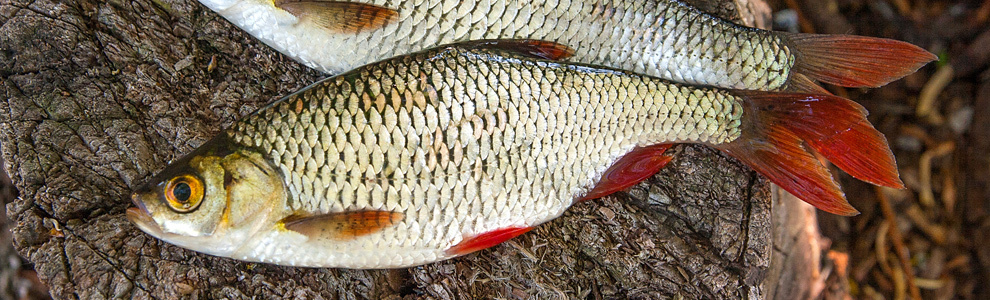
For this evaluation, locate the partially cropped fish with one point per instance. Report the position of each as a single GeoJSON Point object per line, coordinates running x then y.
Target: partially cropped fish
{"type": "Point", "coordinates": [444, 152]}
{"type": "Point", "coordinates": [664, 38]}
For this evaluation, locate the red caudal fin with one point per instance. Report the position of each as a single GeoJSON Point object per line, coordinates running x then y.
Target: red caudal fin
{"type": "Point", "coordinates": [855, 61]}
{"type": "Point", "coordinates": [632, 168]}
{"type": "Point", "coordinates": [776, 125]}
{"type": "Point", "coordinates": [486, 240]}
{"type": "Point", "coordinates": [802, 84]}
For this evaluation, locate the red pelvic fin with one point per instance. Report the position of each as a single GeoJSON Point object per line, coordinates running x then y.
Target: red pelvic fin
{"type": "Point", "coordinates": [486, 240]}
{"type": "Point", "coordinates": [855, 61]}
{"type": "Point", "coordinates": [778, 123]}
{"type": "Point", "coordinates": [340, 17]}
{"type": "Point", "coordinates": [635, 166]}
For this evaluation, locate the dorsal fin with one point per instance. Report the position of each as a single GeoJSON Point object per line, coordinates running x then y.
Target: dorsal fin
{"type": "Point", "coordinates": [526, 47]}
{"type": "Point", "coordinates": [341, 17]}
{"type": "Point", "coordinates": [342, 225]}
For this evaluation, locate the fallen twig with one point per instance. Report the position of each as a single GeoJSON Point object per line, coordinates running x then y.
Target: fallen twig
{"type": "Point", "coordinates": [926, 99]}
{"type": "Point", "coordinates": [925, 195]}
{"type": "Point", "coordinates": [897, 242]}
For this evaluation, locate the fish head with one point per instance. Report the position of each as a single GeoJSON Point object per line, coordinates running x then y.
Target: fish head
{"type": "Point", "coordinates": [213, 200]}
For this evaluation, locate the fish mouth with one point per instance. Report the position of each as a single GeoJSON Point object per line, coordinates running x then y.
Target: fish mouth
{"type": "Point", "coordinates": [135, 198]}
{"type": "Point", "coordinates": [139, 216]}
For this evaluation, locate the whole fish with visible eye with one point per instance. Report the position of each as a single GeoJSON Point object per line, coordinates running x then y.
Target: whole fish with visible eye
{"type": "Point", "coordinates": [444, 152]}
{"type": "Point", "coordinates": [664, 38]}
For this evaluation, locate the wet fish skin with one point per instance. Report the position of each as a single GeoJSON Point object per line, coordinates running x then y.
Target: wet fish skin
{"type": "Point", "coordinates": [461, 143]}
{"type": "Point", "coordinates": [414, 159]}
{"type": "Point", "coordinates": [661, 38]}
{"type": "Point", "coordinates": [664, 38]}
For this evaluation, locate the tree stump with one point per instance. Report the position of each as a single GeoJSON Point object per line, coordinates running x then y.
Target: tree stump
{"type": "Point", "coordinates": [101, 95]}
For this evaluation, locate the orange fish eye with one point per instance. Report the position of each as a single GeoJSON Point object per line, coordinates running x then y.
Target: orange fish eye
{"type": "Point", "coordinates": [184, 193]}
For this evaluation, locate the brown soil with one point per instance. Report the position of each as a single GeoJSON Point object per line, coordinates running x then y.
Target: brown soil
{"type": "Point", "coordinates": [938, 124]}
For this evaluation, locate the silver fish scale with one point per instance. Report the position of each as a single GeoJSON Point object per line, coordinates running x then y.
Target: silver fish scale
{"type": "Point", "coordinates": [464, 143]}
{"type": "Point", "coordinates": [662, 38]}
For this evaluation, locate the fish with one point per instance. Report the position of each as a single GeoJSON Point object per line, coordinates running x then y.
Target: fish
{"type": "Point", "coordinates": [663, 38]}
{"type": "Point", "coordinates": [447, 151]}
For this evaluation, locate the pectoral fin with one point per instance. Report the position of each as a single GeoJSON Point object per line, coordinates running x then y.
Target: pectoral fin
{"type": "Point", "coordinates": [341, 17]}
{"type": "Point", "coordinates": [342, 225]}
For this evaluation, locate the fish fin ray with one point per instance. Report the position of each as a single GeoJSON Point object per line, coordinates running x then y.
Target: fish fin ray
{"type": "Point", "coordinates": [341, 17]}
{"type": "Point", "coordinates": [837, 128]}
{"type": "Point", "coordinates": [486, 240]}
{"type": "Point", "coordinates": [802, 84]}
{"type": "Point", "coordinates": [855, 61]}
{"type": "Point", "coordinates": [527, 47]}
{"type": "Point", "coordinates": [342, 225]}
{"type": "Point", "coordinates": [635, 166]}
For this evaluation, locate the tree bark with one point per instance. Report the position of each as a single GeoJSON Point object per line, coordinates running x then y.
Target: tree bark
{"type": "Point", "coordinates": [101, 95]}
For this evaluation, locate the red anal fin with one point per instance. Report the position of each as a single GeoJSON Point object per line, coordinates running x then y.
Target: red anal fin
{"type": "Point", "coordinates": [635, 166]}
{"type": "Point", "coordinates": [338, 16]}
{"type": "Point", "coordinates": [342, 225]}
{"type": "Point", "coordinates": [855, 61]}
{"type": "Point", "coordinates": [527, 47]}
{"type": "Point", "coordinates": [487, 240]}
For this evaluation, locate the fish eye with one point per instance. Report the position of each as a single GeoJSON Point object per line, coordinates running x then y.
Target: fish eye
{"type": "Point", "coordinates": [184, 193]}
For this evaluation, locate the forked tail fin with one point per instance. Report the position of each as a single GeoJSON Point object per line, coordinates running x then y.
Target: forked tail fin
{"type": "Point", "coordinates": [855, 61]}
{"type": "Point", "coordinates": [776, 124]}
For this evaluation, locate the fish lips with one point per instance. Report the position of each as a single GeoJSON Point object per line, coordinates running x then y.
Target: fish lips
{"type": "Point", "coordinates": [142, 218]}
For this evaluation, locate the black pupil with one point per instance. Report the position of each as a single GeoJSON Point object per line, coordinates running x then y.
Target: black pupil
{"type": "Point", "coordinates": [182, 192]}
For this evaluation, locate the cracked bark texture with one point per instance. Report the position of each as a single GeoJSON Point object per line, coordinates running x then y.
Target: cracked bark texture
{"type": "Point", "coordinates": [101, 95]}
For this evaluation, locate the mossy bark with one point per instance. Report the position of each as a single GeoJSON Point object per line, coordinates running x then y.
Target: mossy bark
{"type": "Point", "coordinates": [101, 95]}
